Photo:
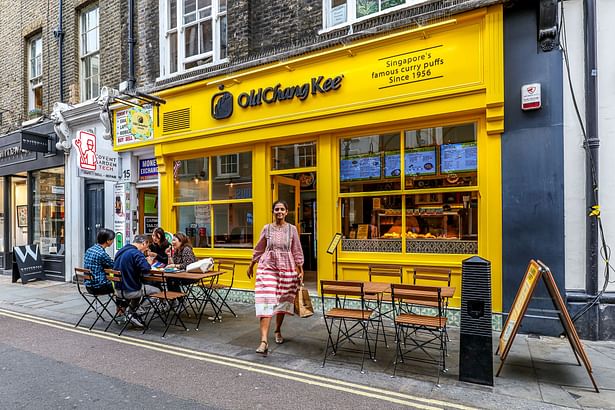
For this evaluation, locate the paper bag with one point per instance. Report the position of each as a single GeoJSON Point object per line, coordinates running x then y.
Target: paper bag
{"type": "Point", "coordinates": [303, 303]}
{"type": "Point", "coordinates": [202, 266]}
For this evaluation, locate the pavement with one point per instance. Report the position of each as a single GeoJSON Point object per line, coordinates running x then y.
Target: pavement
{"type": "Point", "coordinates": [540, 372]}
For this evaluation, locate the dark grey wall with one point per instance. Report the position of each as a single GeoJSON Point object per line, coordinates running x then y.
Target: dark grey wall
{"type": "Point", "coordinates": [532, 165]}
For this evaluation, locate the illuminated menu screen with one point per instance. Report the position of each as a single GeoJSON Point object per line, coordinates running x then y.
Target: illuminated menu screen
{"type": "Point", "coordinates": [460, 157]}
{"type": "Point", "coordinates": [359, 167]}
{"type": "Point", "coordinates": [418, 161]}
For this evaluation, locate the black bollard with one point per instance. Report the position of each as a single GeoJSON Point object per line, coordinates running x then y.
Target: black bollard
{"type": "Point", "coordinates": [475, 342]}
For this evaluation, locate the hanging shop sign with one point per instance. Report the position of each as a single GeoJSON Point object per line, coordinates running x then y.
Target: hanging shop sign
{"type": "Point", "coordinates": [31, 141]}
{"type": "Point", "coordinates": [134, 125]}
{"type": "Point", "coordinates": [95, 162]}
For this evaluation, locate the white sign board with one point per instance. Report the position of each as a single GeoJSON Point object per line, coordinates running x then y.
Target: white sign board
{"type": "Point", "coordinates": [95, 161]}
{"type": "Point", "coordinates": [134, 125]}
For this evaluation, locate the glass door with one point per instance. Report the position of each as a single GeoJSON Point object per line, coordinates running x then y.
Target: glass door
{"type": "Point", "coordinates": [289, 190]}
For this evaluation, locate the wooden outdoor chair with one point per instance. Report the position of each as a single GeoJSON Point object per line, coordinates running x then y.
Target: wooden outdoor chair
{"type": "Point", "coordinates": [123, 304]}
{"type": "Point", "coordinates": [94, 301]}
{"type": "Point", "coordinates": [167, 305]}
{"type": "Point", "coordinates": [346, 325]}
{"type": "Point", "coordinates": [433, 276]}
{"type": "Point", "coordinates": [419, 332]}
{"type": "Point", "coordinates": [384, 273]}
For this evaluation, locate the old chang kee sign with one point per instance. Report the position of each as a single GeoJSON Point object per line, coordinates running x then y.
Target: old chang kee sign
{"type": "Point", "coordinates": [222, 103]}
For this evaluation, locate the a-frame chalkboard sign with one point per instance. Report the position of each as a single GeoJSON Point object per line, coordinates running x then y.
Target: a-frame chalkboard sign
{"type": "Point", "coordinates": [535, 271]}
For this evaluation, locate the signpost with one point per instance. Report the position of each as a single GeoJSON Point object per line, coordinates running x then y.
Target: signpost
{"type": "Point", "coordinates": [535, 271]}
{"type": "Point", "coordinates": [333, 248]}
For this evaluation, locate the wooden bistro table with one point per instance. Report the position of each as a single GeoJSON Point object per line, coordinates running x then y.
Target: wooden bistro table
{"type": "Point", "coordinates": [197, 287]}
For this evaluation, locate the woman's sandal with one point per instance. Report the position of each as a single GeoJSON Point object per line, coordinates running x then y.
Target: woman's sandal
{"type": "Point", "coordinates": [278, 338]}
{"type": "Point", "coordinates": [263, 348]}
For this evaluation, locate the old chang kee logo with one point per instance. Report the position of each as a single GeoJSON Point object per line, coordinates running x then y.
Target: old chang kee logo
{"type": "Point", "coordinates": [222, 102]}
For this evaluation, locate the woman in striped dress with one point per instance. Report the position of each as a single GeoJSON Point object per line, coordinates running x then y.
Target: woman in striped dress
{"type": "Point", "coordinates": [280, 271]}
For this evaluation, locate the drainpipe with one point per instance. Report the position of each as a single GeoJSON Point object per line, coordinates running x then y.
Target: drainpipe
{"type": "Point", "coordinates": [59, 35]}
{"type": "Point", "coordinates": [131, 46]}
{"type": "Point", "coordinates": [591, 163]}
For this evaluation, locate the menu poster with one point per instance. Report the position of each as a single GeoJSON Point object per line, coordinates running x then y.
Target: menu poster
{"type": "Point", "coordinates": [365, 166]}
{"type": "Point", "coordinates": [420, 161]}
{"type": "Point", "coordinates": [460, 157]}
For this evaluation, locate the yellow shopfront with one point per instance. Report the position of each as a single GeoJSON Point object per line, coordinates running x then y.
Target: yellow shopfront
{"type": "Point", "coordinates": [393, 141]}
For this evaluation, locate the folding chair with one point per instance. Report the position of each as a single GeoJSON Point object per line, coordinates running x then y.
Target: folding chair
{"type": "Point", "coordinates": [388, 272]}
{"type": "Point", "coordinates": [431, 275]}
{"type": "Point", "coordinates": [122, 303]}
{"type": "Point", "coordinates": [419, 331]}
{"type": "Point", "coordinates": [349, 324]}
{"type": "Point", "coordinates": [82, 275]}
{"type": "Point", "coordinates": [221, 291]}
{"type": "Point", "coordinates": [167, 306]}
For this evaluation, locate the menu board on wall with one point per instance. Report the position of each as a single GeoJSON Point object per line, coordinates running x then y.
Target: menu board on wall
{"type": "Point", "coordinates": [460, 157]}
{"type": "Point", "coordinates": [367, 166]}
{"type": "Point", "coordinates": [417, 161]}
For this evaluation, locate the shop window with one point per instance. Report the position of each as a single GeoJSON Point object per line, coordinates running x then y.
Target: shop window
{"type": "Point", "coordinates": [193, 34]}
{"type": "Point", "coordinates": [338, 12]}
{"type": "Point", "coordinates": [422, 212]}
{"type": "Point", "coordinates": [222, 225]}
{"type": "Point", "coordinates": [35, 69]}
{"type": "Point", "coordinates": [48, 210]}
{"type": "Point", "coordinates": [301, 155]}
{"type": "Point", "coordinates": [441, 157]}
{"type": "Point", "coordinates": [370, 163]}
{"type": "Point", "coordinates": [89, 54]}
{"type": "Point", "coordinates": [233, 226]}
{"type": "Point", "coordinates": [232, 177]}
{"type": "Point", "coordinates": [191, 180]}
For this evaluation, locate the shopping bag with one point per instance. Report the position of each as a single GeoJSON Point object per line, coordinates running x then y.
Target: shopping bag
{"type": "Point", "coordinates": [303, 303]}
{"type": "Point", "coordinates": [201, 266]}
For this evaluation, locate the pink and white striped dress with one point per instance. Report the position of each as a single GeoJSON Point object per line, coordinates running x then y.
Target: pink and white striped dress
{"type": "Point", "coordinates": [277, 252]}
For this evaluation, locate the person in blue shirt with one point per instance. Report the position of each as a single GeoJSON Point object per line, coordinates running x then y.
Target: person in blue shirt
{"type": "Point", "coordinates": [131, 262]}
{"type": "Point", "coordinates": [96, 259]}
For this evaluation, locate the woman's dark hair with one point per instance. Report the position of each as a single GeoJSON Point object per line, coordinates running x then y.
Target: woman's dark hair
{"type": "Point", "coordinates": [279, 201]}
{"type": "Point", "coordinates": [105, 235]}
{"type": "Point", "coordinates": [183, 240]}
{"type": "Point", "coordinates": [163, 239]}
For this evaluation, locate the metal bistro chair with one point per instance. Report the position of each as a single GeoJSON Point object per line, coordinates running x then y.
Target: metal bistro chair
{"type": "Point", "coordinates": [419, 332]}
{"type": "Point", "coordinates": [430, 276]}
{"type": "Point", "coordinates": [389, 273]}
{"type": "Point", "coordinates": [345, 325]}
{"type": "Point", "coordinates": [123, 304]}
{"type": "Point", "coordinates": [221, 291]}
{"type": "Point", "coordinates": [167, 306]}
{"type": "Point", "coordinates": [82, 275]}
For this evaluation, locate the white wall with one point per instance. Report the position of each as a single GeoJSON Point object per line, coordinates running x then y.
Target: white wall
{"type": "Point", "coordinates": [574, 153]}
{"type": "Point", "coordinates": [606, 123]}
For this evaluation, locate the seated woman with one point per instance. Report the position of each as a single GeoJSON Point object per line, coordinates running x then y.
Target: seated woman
{"type": "Point", "coordinates": [159, 247]}
{"type": "Point", "coordinates": [183, 255]}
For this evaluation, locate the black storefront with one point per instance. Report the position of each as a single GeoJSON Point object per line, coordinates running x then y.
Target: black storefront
{"type": "Point", "coordinates": [32, 208]}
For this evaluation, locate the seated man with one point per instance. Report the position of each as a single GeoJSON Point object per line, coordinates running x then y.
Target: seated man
{"type": "Point", "coordinates": [131, 261]}
{"type": "Point", "coordinates": [97, 260]}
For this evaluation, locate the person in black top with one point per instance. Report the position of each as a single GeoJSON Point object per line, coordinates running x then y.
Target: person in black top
{"type": "Point", "coordinates": [160, 247]}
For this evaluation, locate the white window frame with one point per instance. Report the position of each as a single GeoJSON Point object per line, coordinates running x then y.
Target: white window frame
{"type": "Point", "coordinates": [351, 15]}
{"type": "Point", "coordinates": [84, 58]}
{"type": "Point", "coordinates": [235, 161]}
{"type": "Point", "coordinates": [35, 69]}
{"type": "Point", "coordinates": [166, 31]}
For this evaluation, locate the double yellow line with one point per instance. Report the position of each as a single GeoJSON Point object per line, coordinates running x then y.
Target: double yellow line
{"type": "Point", "coordinates": [305, 378]}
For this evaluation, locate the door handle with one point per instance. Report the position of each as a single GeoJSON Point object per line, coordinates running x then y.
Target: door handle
{"type": "Point", "coordinates": [97, 226]}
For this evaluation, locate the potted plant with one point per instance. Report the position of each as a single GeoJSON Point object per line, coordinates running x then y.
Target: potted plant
{"type": "Point", "coordinates": [35, 113]}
